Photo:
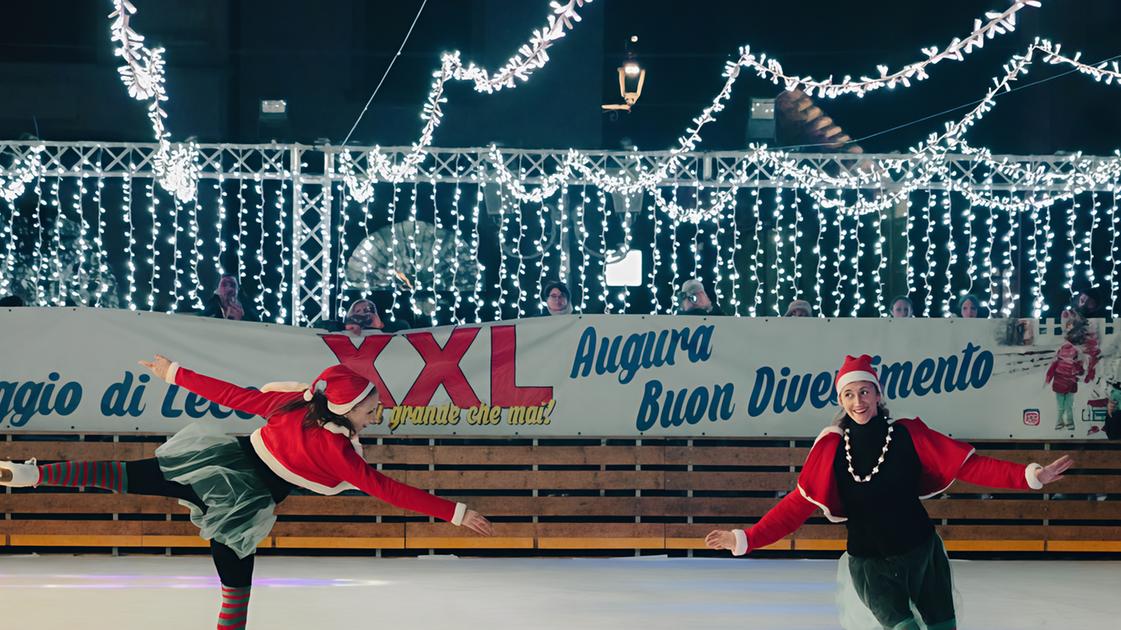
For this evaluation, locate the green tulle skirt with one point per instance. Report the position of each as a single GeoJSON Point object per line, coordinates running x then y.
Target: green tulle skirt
{"type": "Point", "coordinates": [238, 510]}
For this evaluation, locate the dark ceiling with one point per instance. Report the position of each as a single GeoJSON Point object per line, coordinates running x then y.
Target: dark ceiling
{"type": "Point", "coordinates": [324, 58]}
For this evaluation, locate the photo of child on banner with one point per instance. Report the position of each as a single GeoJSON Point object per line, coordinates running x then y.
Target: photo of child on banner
{"type": "Point", "coordinates": [1076, 358]}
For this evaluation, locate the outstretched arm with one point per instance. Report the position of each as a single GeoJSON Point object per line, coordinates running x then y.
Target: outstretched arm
{"type": "Point", "coordinates": [263, 404]}
{"type": "Point", "coordinates": [367, 479]}
{"type": "Point", "coordinates": [781, 520]}
{"type": "Point", "coordinates": [945, 459]}
{"type": "Point", "coordinates": [997, 473]}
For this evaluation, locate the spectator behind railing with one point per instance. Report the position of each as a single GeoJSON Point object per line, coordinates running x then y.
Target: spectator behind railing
{"type": "Point", "coordinates": [11, 301]}
{"type": "Point", "coordinates": [799, 308]}
{"type": "Point", "coordinates": [901, 306]}
{"type": "Point", "coordinates": [226, 302]}
{"type": "Point", "coordinates": [363, 315]}
{"type": "Point", "coordinates": [969, 307]}
{"type": "Point", "coordinates": [557, 299]}
{"type": "Point", "coordinates": [1089, 303]}
{"type": "Point", "coordinates": [693, 300]}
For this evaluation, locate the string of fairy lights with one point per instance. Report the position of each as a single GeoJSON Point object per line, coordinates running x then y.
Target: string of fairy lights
{"type": "Point", "coordinates": [748, 245]}
{"type": "Point", "coordinates": [782, 245]}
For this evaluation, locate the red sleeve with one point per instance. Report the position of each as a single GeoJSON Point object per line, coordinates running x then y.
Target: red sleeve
{"type": "Point", "coordinates": [780, 521]}
{"type": "Point", "coordinates": [994, 473]}
{"type": "Point", "coordinates": [263, 404]}
{"type": "Point", "coordinates": [1050, 372]}
{"type": "Point", "coordinates": [367, 479]}
{"type": "Point", "coordinates": [945, 459]}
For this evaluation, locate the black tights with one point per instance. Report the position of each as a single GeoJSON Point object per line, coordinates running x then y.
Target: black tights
{"type": "Point", "coordinates": [233, 571]}
{"type": "Point", "coordinates": [145, 477]}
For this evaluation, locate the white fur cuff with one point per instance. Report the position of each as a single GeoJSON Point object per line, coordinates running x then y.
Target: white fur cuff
{"type": "Point", "coordinates": [1031, 473]}
{"type": "Point", "coordinates": [460, 512]}
{"type": "Point", "coordinates": [741, 542]}
{"type": "Point", "coordinates": [171, 371]}
{"type": "Point", "coordinates": [285, 386]}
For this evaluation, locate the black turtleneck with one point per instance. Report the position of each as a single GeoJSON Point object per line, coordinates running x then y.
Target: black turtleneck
{"type": "Point", "coordinates": [885, 516]}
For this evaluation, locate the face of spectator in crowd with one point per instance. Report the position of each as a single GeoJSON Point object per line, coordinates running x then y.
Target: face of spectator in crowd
{"type": "Point", "coordinates": [557, 300]}
{"type": "Point", "coordinates": [901, 309]}
{"type": "Point", "coordinates": [798, 312]}
{"type": "Point", "coordinates": [969, 309]}
{"type": "Point", "coordinates": [698, 300]}
{"type": "Point", "coordinates": [1087, 302]}
{"type": "Point", "coordinates": [227, 288]}
{"type": "Point", "coordinates": [364, 314]}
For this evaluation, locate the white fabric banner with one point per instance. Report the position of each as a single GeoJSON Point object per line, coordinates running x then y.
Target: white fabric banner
{"type": "Point", "coordinates": [66, 369]}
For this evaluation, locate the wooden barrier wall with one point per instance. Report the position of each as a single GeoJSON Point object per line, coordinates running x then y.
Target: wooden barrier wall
{"type": "Point", "coordinates": [568, 494]}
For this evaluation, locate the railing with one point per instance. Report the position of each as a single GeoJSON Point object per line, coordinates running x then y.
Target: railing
{"type": "Point", "coordinates": [89, 226]}
{"type": "Point", "coordinates": [569, 496]}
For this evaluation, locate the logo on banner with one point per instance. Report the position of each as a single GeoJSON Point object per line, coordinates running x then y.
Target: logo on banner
{"type": "Point", "coordinates": [1031, 417]}
{"type": "Point", "coordinates": [508, 402]}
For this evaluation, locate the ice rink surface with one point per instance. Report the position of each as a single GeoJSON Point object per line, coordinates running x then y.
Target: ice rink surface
{"type": "Point", "coordinates": [649, 593]}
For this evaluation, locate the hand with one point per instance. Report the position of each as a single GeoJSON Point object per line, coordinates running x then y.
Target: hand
{"type": "Point", "coordinates": [477, 523]}
{"type": "Point", "coordinates": [235, 311]}
{"type": "Point", "coordinates": [1111, 406]}
{"type": "Point", "coordinates": [721, 539]}
{"type": "Point", "coordinates": [1054, 471]}
{"type": "Point", "coordinates": [354, 329]}
{"type": "Point", "coordinates": [159, 366]}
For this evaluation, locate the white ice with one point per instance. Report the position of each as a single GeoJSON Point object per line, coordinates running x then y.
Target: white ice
{"type": "Point", "coordinates": [318, 593]}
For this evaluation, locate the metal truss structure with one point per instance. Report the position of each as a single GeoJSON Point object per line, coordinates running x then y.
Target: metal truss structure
{"type": "Point", "coordinates": [316, 185]}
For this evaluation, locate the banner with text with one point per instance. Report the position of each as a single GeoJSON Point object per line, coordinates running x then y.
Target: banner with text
{"type": "Point", "coordinates": [71, 369]}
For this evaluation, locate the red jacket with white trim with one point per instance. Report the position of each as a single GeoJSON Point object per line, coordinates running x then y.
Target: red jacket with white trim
{"type": "Point", "coordinates": [322, 459]}
{"type": "Point", "coordinates": [943, 460]}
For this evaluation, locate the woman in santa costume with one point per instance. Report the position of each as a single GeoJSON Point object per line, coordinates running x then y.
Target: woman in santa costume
{"type": "Point", "coordinates": [870, 472]}
{"type": "Point", "coordinates": [231, 485]}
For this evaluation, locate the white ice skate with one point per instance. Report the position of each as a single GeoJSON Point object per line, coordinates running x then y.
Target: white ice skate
{"type": "Point", "coordinates": [19, 475]}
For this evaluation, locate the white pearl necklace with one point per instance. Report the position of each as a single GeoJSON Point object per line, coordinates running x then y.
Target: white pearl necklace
{"type": "Point", "coordinates": [876, 468]}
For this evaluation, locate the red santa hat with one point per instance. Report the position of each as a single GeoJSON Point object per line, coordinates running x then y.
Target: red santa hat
{"type": "Point", "coordinates": [342, 386]}
{"type": "Point", "coordinates": [856, 369]}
